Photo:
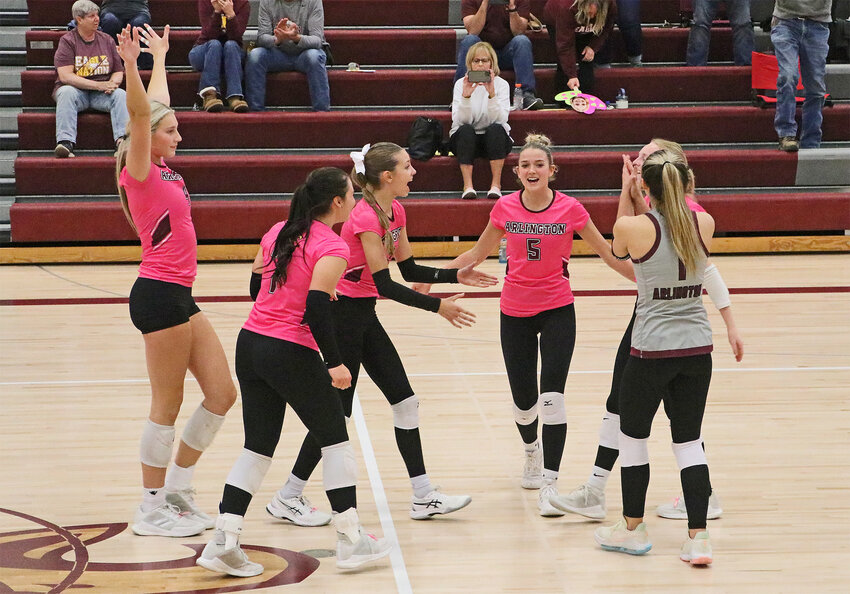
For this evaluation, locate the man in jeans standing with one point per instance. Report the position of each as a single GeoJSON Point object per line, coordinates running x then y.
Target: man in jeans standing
{"type": "Point", "coordinates": [800, 29]}
{"type": "Point", "coordinates": [88, 74]}
{"type": "Point", "coordinates": [290, 34]}
{"type": "Point", "coordinates": [502, 25]}
{"type": "Point", "coordinates": [738, 12]}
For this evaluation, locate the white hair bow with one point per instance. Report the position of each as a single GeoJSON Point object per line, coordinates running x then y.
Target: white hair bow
{"type": "Point", "coordinates": [358, 158]}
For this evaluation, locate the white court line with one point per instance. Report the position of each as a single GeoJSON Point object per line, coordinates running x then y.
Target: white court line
{"type": "Point", "coordinates": [442, 374]}
{"type": "Point", "coordinates": [399, 569]}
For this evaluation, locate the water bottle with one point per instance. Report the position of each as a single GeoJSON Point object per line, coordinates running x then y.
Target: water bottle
{"type": "Point", "coordinates": [517, 97]}
{"type": "Point", "coordinates": [622, 100]}
{"type": "Point", "coordinates": [503, 250]}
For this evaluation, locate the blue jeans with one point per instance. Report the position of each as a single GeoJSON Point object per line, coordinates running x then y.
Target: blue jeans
{"type": "Point", "coordinates": [738, 12]}
{"type": "Point", "coordinates": [71, 100]}
{"type": "Point", "coordinates": [516, 56]}
{"type": "Point", "coordinates": [262, 60]}
{"type": "Point", "coordinates": [207, 59]}
{"type": "Point", "coordinates": [628, 20]}
{"type": "Point", "coordinates": [807, 40]}
{"type": "Point", "coordinates": [112, 24]}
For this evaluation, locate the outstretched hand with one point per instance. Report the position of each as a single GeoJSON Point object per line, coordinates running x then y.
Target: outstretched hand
{"type": "Point", "coordinates": [475, 278]}
{"type": "Point", "coordinates": [156, 45]}
{"type": "Point", "coordinates": [128, 45]}
{"type": "Point", "coordinates": [454, 313]}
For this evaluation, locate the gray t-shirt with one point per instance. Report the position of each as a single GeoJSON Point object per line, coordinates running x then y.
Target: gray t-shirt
{"type": "Point", "coordinates": [815, 10]}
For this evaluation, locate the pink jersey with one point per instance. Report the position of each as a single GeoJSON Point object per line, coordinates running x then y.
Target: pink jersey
{"type": "Point", "coordinates": [161, 210]}
{"type": "Point", "coordinates": [280, 314]}
{"type": "Point", "coordinates": [692, 204]}
{"type": "Point", "coordinates": [539, 247]}
{"type": "Point", "coordinates": [357, 280]}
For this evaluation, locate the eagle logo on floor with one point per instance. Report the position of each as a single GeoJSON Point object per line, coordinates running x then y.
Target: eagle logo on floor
{"type": "Point", "coordinates": [53, 558]}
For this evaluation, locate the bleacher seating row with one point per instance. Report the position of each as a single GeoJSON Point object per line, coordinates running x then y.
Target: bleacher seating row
{"type": "Point", "coordinates": [239, 166]}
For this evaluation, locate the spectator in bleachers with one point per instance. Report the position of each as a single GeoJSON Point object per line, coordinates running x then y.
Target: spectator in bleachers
{"type": "Point", "coordinates": [738, 12]}
{"type": "Point", "coordinates": [219, 49]}
{"type": "Point", "coordinates": [578, 28]}
{"type": "Point", "coordinates": [89, 72]}
{"type": "Point", "coordinates": [800, 30]}
{"type": "Point", "coordinates": [628, 21]}
{"type": "Point", "coordinates": [290, 37]}
{"type": "Point", "coordinates": [503, 26]}
{"type": "Point", "coordinates": [480, 120]}
{"type": "Point", "coordinates": [117, 14]}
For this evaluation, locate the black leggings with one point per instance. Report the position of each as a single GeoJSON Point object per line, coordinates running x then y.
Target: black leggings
{"type": "Point", "coordinates": [682, 383]}
{"type": "Point", "coordinates": [362, 340]}
{"type": "Point", "coordinates": [556, 329]}
{"type": "Point", "coordinates": [273, 373]}
{"type": "Point", "coordinates": [494, 144]}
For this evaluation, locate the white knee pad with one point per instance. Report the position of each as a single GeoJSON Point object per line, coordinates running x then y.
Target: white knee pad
{"type": "Point", "coordinates": [339, 468]}
{"type": "Point", "coordinates": [553, 411]}
{"type": "Point", "coordinates": [406, 413]}
{"type": "Point", "coordinates": [157, 441]}
{"type": "Point", "coordinates": [525, 417]}
{"type": "Point", "coordinates": [201, 428]}
{"type": "Point", "coordinates": [633, 452]}
{"type": "Point", "coordinates": [609, 431]}
{"type": "Point", "coordinates": [689, 453]}
{"type": "Point", "coordinates": [248, 471]}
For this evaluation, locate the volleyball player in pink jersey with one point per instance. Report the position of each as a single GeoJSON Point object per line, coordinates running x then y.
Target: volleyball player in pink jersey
{"type": "Point", "coordinates": [537, 302]}
{"type": "Point", "coordinates": [375, 233]}
{"type": "Point", "coordinates": [589, 498]}
{"type": "Point", "coordinates": [278, 363]}
{"type": "Point", "coordinates": [177, 335]}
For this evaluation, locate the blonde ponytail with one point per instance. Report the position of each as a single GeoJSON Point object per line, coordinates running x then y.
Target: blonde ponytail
{"type": "Point", "coordinates": [666, 174]}
{"type": "Point", "coordinates": [158, 112]}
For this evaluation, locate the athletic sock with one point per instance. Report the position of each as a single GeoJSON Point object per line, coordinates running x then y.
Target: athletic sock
{"type": "Point", "coordinates": [152, 498]}
{"type": "Point", "coordinates": [421, 485]}
{"type": "Point", "coordinates": [598, 478]}
{"type": "Point", "coordinates": [294, 487]}
{"type": "Point", "coordinates": [178, 478]}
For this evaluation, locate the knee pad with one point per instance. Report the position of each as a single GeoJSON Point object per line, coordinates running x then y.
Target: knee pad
{"type": "Point", "coordinates": [633, 452]}
{"type": "Point", "coordinates": [553, 411]}
{"type": "Point", "coordinates": [406, 413]}
{"type": "Point", "coordinates": [249, 471]}
{"type": "Point", "coordinates": [525, 417]}
{"type": "Point", "coordinates": [201, 428]}
{"type": "Point", "coordinates": [339, 468]}
{"type": "Point", "coordinates": [689, 454]}
{"type": "Point", "coordinates": [157, 441]}
{"type": "Point", "coordinates": [609, 431]}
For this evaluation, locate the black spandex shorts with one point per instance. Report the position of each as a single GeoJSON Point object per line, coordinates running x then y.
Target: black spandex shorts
{"type": "Point", "coordinates": [157, 305]}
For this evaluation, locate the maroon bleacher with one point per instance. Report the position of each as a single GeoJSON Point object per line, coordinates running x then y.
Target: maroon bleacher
{"type": "Point", "coordinates": [338, 13]}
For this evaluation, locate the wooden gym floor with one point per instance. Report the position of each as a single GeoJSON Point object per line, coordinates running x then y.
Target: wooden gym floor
{"type": "Point", "coordinates": [74, 393]}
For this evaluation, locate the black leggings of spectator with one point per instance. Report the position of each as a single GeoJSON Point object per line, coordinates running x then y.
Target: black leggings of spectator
{"type": "Point", "coordinates": [494, 144]}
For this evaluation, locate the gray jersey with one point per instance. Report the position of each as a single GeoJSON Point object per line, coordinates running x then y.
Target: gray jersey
{"type": "Point", "coordinates": [670, 319]}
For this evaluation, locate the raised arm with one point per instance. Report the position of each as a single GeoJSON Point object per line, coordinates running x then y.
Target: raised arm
{"type": "Point", "coordinates": [139, 109]}
{"type": "Point", "coordinates": [157, 46]}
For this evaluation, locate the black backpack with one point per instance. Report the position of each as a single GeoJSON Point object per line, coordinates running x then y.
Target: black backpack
{"type": "Point", "coordinates": [425, 138]}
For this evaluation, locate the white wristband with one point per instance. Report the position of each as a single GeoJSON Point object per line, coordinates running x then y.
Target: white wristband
{"type": "Point", "coordinates": [716, 288]}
